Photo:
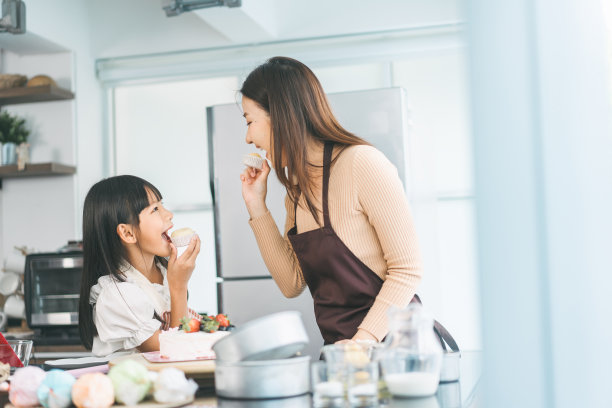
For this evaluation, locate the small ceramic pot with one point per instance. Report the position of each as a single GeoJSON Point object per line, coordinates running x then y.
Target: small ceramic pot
{"type": "Point", "coordinates": [9, 154]}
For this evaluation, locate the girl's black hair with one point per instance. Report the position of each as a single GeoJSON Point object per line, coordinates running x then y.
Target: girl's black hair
{"type": "Point", "coordinates": [110, 202]}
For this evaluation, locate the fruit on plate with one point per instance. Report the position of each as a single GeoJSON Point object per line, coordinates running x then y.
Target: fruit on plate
{"type": "Point", "coordinates": [223, 320]}
{"type": "Point", "coordinates": [208, 324]}
{"type": "Point", "coordinates": [190, 325]}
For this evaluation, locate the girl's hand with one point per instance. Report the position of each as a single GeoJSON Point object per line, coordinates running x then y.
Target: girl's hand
{"type": "Point", "coordinates": [181, 268]}
{"type": "Point", "coordinates": [255, 188]}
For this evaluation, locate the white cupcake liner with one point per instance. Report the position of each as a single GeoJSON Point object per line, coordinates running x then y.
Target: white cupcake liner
{"type": "Point", "coordinates": [253, 161]}
{"type": "Point", "coordinates": [183, 240]}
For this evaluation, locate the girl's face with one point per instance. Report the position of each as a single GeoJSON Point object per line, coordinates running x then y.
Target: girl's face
{"type": "Point", "coordinates": [259, 130]}
{"type": "Point", "coordinates": [155, 222]}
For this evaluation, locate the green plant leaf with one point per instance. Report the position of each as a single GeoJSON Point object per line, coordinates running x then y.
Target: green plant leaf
{"type": "Point", "coordinates": [13, 129]}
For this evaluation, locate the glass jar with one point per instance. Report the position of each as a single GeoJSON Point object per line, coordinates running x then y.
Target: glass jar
{"type": "Point", "coordinates": [412, 358]}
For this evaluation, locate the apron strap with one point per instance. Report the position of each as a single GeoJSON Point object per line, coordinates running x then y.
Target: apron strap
{"type": "Point", "coordinates": [327, 154]}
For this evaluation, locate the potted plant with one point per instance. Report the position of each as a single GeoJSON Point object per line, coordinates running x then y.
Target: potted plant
{"type": "Point", "coordinates": [13, 133]}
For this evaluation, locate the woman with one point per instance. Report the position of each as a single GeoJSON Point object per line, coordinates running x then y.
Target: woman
{"type": "Point", "coordinates": [349, 234]}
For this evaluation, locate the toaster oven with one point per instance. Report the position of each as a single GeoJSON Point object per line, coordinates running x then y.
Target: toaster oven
{"type": "Point", "coordinates": [51, 289]}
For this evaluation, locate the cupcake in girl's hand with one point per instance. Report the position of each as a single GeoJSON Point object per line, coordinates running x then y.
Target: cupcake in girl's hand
{"type": "Point", "coordinates": [253, 160]}
{"type": "Point", "coordinates": [182, 236]}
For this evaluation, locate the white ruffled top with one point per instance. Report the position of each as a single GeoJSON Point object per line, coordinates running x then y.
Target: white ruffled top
{"type": "Point", "coordinates": [123, 312]}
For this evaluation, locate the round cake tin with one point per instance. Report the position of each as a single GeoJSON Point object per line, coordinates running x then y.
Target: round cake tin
{"type": "Point", "coordinates": [272, 337]}
{"type": "Point", "coordinates": [263, 379]}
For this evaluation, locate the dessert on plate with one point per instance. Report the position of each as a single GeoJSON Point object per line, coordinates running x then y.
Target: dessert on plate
{"type": "Point", "coordinates": [194, 339]}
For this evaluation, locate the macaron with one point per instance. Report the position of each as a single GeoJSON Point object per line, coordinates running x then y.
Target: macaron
{"type": "Point", "coordinates": [253, 160]}
{"type": "Point", "coordinates": [181, 237]}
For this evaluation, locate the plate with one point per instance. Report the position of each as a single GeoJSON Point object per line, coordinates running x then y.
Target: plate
{"type": "Point", "coordinates": [196, 369]}
{"type": "Point", "coordinates": [155, 357]}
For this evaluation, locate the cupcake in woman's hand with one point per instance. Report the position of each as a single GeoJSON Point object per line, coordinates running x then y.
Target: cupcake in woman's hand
{"type": "Point", "coordinates": [182, 236]}
{"type": "Point", "coordinates": [253, 160]}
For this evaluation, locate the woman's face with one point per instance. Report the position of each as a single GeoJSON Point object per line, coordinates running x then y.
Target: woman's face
{"type": "Point", "coordinates": [259, 130]}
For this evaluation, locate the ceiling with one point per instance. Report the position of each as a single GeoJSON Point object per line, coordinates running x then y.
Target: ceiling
{"type": "Point", "coordinates": [125, 28]}
{"type": "Point", "coordinates": [142, 27]}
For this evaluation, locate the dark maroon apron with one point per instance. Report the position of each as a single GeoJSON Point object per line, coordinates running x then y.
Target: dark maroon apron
{"type": "Point", "coordinates": [343, 288]}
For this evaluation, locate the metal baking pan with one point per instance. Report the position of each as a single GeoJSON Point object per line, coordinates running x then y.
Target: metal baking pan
{"type": "Point", "coordinates": [272, 337]}
{"type": "Point", "coordinates": [450, 366]}
{"type": "Point", "coordinates": [301, 401]}
{"type": "Point", "coordinates": [263, 379]}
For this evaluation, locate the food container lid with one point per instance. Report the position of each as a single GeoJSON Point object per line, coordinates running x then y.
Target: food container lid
{"type": "Point", "coordinates": [271, 337]}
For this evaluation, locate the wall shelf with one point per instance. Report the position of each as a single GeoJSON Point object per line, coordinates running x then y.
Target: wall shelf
{"type": "Point", "coordinates": [36, 170]}
{"type": "Point", "coordinates": [44, 93]}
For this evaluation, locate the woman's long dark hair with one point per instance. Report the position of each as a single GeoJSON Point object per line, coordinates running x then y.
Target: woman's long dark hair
{"type": "Point", "coordinates": [293, 97]}
{"type": "Point", "coordinates": [110, 202]}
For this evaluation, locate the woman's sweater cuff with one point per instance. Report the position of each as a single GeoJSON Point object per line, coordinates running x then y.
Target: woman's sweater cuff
{"type": "Point", "coordinates": [262, 223]}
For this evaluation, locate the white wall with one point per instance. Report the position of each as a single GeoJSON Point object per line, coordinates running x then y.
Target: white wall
{"type": "Point", "coordinates": [543, 143]}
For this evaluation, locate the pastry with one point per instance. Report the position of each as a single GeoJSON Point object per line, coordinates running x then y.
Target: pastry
{"type": "Point", "coordinates": [41, 80]}
{"type": "Point", "coordinates": [253, 160]}
{"type": "Point", "coordinates": [93, 390]}
{"type": "Point", "coordinates": [171, 386]}
{"type": "Point", "coordinates": [131, 382]}
{"type": "Point", "coordinates": [182, 237]}
{"type": "Point", "coordinates": [56, 389]}
{"type": "Point", "coordinates": [24, 384]}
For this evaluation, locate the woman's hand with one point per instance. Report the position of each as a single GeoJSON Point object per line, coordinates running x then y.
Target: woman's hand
{"type": "Point", "coordinates": [181, 268]}
{"type": "Point", "coordinates": [254, 189]}
{"type": "Point", "coordinates": [361, 335]}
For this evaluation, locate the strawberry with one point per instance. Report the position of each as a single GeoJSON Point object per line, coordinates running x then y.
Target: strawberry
{"type": "Point", "coordinates": [190, 325]}
{"type": "Point", "coordinates": [210, 326]}
{"type": "Point", "coordinates": [223, 320]}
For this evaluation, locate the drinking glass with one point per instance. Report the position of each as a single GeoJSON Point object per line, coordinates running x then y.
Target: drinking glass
{"type": "Point", "coordinates": [21, 348]}
{"type": "Point", "coordinates": [328, 384]}
{"type": "Point", "coordinates": [362, 385]}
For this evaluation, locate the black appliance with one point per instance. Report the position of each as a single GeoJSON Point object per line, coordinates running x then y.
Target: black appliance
{"type": "Point", "coordinates": [51, 292]}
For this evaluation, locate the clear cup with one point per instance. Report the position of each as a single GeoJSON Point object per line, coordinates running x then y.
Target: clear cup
{"type": "Point", "coordinates": [21, 348]}
{"type": "Point", "coordinates": [353, 354]}
{"type": "Point", "coordinates": [362, 385]}
{"type": "Point", "coordinates": [328, 382]}
{"type": "Point", "coordinates": [411, 375]}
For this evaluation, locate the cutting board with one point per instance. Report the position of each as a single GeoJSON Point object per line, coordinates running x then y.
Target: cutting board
{"type": "Point", "coordinates": [193, 369]}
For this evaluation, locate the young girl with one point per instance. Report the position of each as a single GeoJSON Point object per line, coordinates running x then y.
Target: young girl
{"type": "Point", "coordinates": [129, 291]}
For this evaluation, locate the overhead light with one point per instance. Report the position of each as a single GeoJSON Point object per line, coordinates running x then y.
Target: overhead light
{"type": "Point", "coordinates": [176, 7]}
{"type": "Point", "coordinates": [13, 17]}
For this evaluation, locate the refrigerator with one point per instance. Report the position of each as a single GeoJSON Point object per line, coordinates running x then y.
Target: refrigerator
{"type": "Point", "coordinates": [245, 289]}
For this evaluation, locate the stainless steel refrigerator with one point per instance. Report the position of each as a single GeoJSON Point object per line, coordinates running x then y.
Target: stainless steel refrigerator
{"type": "Point", "coordinates": [245, 288]}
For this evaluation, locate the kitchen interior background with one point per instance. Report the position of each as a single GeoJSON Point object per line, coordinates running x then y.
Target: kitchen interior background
{"type": "Point", "coordinates": [142, 81]}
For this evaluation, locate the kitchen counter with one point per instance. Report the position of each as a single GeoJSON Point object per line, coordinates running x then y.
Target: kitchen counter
{"type": "Point", "coordinates": [461, 394]}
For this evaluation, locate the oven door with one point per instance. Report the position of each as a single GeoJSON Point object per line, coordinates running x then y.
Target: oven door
{"type": "Point", "coordinates": [52, 286]}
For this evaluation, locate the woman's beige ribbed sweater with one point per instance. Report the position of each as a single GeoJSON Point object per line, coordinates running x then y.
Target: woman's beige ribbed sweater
{"type": "Point", "coordinates": [370, 213]}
